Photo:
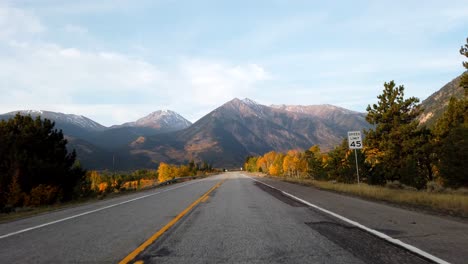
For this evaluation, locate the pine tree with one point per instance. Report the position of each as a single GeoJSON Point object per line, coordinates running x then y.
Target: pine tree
{"type": "Point", "coordinates": [34, 152]}
{"type": "Point", "coordinates": [464, 80]}
{"type": "Point", "coordinates": [314, 163]}
{"type": "Point", "coordinates": [451, 133]}
{"type": "Point", "coordinates": [393, 138]}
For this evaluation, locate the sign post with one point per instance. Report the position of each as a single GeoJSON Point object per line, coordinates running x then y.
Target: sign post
{"type": "Point", "coordinates": [355, 142]}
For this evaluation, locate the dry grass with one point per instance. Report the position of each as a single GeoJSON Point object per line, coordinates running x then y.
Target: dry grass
{"type": "Point", "coordinates": [32, 211]}
{"type": "Point", "coordinates": [453, 203]}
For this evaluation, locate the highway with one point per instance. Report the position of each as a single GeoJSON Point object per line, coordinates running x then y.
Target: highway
{"type": "Point", "coordinates": [227, 218]}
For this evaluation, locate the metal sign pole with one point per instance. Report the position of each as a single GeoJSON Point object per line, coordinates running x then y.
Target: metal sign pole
{"type": "Point", "coordinates": [355, 142]}
{"type": "Point", "coordinates": [357, 168]}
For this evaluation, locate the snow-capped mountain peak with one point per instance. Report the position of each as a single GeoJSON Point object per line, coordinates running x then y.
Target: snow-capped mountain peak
{"type": "Point", "coordinates": [166, 120]}
{"type": "Point", "coordinates": [77, 120]}
{"type": "Point", "coordinates": [249, 101]}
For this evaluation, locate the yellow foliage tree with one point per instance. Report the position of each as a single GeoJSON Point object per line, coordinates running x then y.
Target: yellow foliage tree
{"type": "Point", "coordinates": [269, 158]}
{"type": "Point", "coordinates": [165, 172]}
{"type": "Point", "coordinates": [183, 171]}
{"type": "Point", "coordinates": [288, 165]}
{"type": "Point", "coordinates": [95, 180]}
{"type": "Point", "coordinates": [262, 165]}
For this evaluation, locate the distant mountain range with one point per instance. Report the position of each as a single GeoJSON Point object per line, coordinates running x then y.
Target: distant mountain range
{"type": "Point", "coordinates": [224, 137]}
{"type": "Point", "coordinates": [240, 128]}
{"type": "Point", "coordinates": [97, 144]}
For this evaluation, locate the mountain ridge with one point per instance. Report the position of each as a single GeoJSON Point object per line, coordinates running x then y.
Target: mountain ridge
{"type": "Point", "coordinates": [239, 128]}
{"type": "Point", "coordinates": [223, 137]}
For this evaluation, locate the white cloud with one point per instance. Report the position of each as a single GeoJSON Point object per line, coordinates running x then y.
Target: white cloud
{"type": "Point", "coordinates": [108, 85]}
{"type": "Point", "coordinates": [114, 87]}
{"type": "Point", "coordinates": [210, 82]}
{"type": "Point", "coordinates": [15, 23]}
{"type": "Point", "coordinates": [61, 72]}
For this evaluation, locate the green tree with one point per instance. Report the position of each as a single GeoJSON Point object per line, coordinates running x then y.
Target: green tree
{"type": "Point", "coordinates": [451, 132]}
{"type": "Point", "coordinates": [341, 164]}
{"type": "Point", "coordinates": [313, 158]}
{"type": "Point", "coordinates": [464, 80]}
{"type": "Point", "coordinates": [394, 136]}
{"type": "Point", "coordinates": [35, 153]}
{"type": "Point", "coordinates": [251, 164]}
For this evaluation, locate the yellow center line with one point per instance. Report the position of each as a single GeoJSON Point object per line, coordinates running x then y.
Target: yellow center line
{"type": "Point", "coordinates": [205, 199]}
{"type": "Point", "coordinates": [156, 235]}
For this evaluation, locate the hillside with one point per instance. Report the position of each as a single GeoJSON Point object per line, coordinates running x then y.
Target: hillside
{"type": "Point", "coordinates": [435, 105]}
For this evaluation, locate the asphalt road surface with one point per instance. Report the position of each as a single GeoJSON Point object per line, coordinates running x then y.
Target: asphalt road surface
{"type": "Point", "coordinates": [228, 218]}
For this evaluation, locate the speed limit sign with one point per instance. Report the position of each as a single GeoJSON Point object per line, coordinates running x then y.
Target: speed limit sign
{"type": "Point", "coordinates": [354, 139]}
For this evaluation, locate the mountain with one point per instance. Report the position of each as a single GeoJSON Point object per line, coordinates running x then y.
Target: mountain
{"type": "Point", "coordinates": [436, 104]}
{"type": "Point", "coordinates": [162, 121]}
{"type": "Point", "coordinates": [224, 137]}
{"type": "Point", "coordinates": [97, 145]}
{"type": "Point", "coordinates": [240, 128]}
{"type": "Point", "coordinates": [73, 125]}
{"type": "Point", "coordinates": [335, 116]}
{"type": "Point", "coordinates": [61, 119]}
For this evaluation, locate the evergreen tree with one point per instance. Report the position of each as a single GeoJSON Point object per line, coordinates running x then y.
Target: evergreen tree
{"type": "Point", "coordinates": [464, 80]}
{"type": "Point", "coordinates": [451, 133]}
{"type": "Point", "coordinates": [35, 153]}
{"type": "Point", "coordinates": [341, 164]}
{"type": "Point", "coordinates": [391, 143]}
{"type": "Point", "coordinates": [314, 163]}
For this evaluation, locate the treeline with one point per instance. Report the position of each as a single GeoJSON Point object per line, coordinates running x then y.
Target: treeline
{"type": "Point", "coordinates": [168, 172]}
{"type": "Point", "coordinates": [396, 150]}
{"type": "Point", "coordinates": [35, 166]}
{"type": "Point", "coordinates": [104, 182]}
{"type": "Point", "coordinates": [108, 182]}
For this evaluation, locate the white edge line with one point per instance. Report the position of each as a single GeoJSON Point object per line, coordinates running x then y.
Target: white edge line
{"type": "Point", "coordinates": [93, 211]}
{"type": "Point", "coordinates": [365, 228]}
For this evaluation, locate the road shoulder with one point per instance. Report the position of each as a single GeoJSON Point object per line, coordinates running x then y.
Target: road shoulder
{"type": "Point", "coordinates": [441, 236]}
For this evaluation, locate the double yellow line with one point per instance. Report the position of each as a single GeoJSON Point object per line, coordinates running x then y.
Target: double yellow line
{"type": "Point", "coordinates": [156, 235]}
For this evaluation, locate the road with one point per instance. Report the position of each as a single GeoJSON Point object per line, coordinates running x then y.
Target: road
{"type": "Point", "coordinates": [228, 218]}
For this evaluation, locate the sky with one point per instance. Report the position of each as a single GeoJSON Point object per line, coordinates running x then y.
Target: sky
{"type": "Point", "coordinates": [115, 61]}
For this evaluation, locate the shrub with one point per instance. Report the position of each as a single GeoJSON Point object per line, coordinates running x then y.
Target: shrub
{"type": "Point", "coordinates": [394, 185]}
{"type": "Point", "coordinates": [433, 186]}
{"type": "Point", "coordinates": [44, 194]}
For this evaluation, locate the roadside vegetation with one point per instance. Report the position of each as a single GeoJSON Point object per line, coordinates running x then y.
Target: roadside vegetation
{"type": "Point", "coordinates": [35, 166]}
{"type": "Point", "coordinates": [105, 182]}
{"type": "Point", "coordinates": [446, 201]}
{"type": "Point", "coordinates": [37, 171]}
{"type": "Point", "coordinates": [401, 161]}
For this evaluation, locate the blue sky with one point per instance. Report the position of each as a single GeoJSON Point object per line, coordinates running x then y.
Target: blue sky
{"type": "Point", "coordinates": [115, 61]}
